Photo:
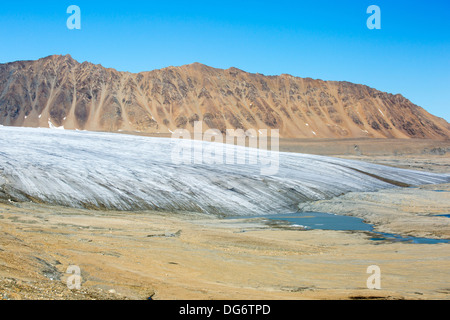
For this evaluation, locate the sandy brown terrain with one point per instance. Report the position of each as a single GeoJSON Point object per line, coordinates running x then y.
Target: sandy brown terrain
{"type": "Point", "coordinates": [362, 148]}
{"type": "Point", "coordinates": [135, 256]}
{"type": "Point", "coordinates": [366, 149]}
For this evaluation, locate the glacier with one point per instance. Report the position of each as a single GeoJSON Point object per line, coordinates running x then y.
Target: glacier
{"type": "Point", "coordinates": [112, 171]}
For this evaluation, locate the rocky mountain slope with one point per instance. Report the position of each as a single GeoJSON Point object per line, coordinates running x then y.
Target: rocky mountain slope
{"type": "Point", "coordinates": [58, 91]}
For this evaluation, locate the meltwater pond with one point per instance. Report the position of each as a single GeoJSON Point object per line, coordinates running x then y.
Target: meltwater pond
{"type": "Point", "coordinates": [327, 221]}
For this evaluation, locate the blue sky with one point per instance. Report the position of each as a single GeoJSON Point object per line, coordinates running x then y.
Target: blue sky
{"type": "Point", "coordinates": [320, 39]}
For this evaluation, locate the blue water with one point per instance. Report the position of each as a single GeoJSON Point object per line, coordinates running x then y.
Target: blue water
{"type": "Point", "coordinates": [327, 221]}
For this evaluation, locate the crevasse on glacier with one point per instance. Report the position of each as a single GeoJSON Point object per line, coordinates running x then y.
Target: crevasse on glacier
{"type": "Point", "coordinates": [125, 172]}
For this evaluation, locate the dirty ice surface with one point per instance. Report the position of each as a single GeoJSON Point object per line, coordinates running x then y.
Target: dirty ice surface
{"type": "Point", "coordinates": [127, 172]}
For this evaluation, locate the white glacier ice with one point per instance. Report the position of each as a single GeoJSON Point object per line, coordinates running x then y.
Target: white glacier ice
{"type": "Point", "coordinates": [126, 172]}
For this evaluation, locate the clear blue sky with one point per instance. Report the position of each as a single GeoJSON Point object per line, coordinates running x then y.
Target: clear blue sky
{"type": "Point", "coordinates": [320, 39]}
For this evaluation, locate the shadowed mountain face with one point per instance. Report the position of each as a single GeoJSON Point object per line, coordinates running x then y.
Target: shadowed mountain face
{"type": "Point", "coordinates": [58, 91]}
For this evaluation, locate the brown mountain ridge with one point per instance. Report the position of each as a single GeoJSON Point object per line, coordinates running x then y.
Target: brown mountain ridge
{"type": "Point", "coordinates": [58, 91]}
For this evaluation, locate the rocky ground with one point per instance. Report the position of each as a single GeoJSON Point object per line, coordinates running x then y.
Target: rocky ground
{"type": "Point", "coordinates": [163, 256]}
